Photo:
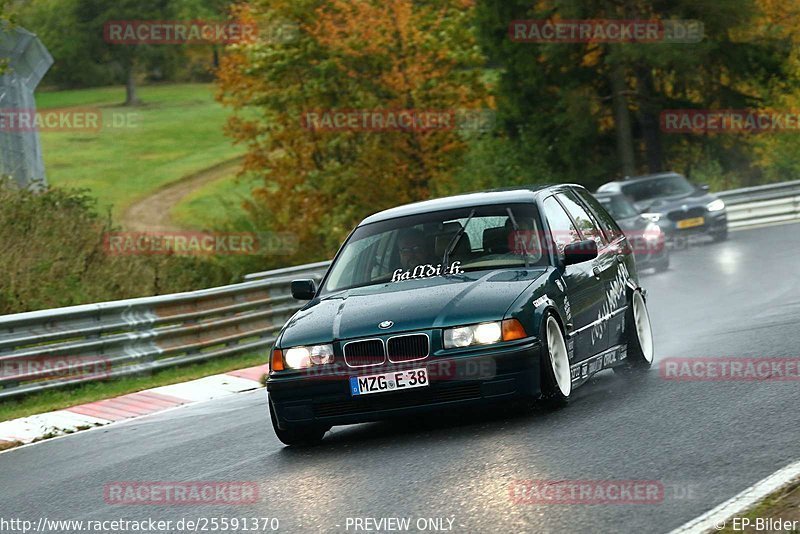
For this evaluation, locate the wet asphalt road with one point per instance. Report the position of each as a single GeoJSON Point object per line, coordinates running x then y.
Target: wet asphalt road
{"type": "Point", "coordinates": [702, 441]}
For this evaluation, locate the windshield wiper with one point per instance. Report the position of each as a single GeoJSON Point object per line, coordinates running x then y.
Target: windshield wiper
{"type": "Point", "coordinates": [452, 244]}
{"type": "Point", "coordinates": [516, 229]}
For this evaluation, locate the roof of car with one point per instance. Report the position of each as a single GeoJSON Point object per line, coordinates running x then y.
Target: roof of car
{"type": "Point", "coordinates": [616, 186]}
{"type": "Point", "coordinates": [511, 195]}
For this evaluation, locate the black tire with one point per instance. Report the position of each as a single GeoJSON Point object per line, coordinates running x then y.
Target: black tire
{"type": "Point", "coordinates": [553, 395]}
{"type": "Point", "coordinates": [636, 361]}
{"type": "Point", "coordinates": [663, 265]}
{"type": "Point", "coordinates": [297, 437]}
{"type": "Point", "coordinates": [719, 236]}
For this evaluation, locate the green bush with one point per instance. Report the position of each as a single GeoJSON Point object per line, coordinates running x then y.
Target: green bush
{"type": "Point", "coordinates": [52, 254]}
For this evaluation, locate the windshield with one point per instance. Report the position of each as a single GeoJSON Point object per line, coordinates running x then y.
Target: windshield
{"type": "Point", "coordinates": [618, 206]}
{"type": "Point", "coordinates": [668, 186]}
{"type": "Point", "coordinates": [414, 247]}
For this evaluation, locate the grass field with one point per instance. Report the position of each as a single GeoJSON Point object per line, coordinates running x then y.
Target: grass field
{"type": "Point", "coordinates": [214, 204]}
{"type": "Point", "coordinates": [177, 132]}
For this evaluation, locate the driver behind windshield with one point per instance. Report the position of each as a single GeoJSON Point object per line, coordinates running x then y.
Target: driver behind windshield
{"type": "Point", "coordinates": [413, 249]}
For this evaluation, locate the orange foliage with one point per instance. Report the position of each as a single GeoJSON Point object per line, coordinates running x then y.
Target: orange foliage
{"type": "Point", "coordinates": [347, 55]}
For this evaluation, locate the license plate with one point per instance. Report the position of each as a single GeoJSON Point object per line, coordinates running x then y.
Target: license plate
{"type": "Point", "coordinates": [691, 223]}
{"type": "Point", "coordinates": [406, 379]}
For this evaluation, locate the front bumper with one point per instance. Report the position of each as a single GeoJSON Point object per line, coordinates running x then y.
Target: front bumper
{"type": "Point", "coordinates": [716, 222]}
{"type": "Point", "coordinates": [473, 377]}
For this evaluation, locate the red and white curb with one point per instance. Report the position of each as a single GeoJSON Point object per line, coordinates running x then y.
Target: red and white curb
{"type": "Point", "coordinates": [718, 518]}
{"type": "Point", "coordinates": [27, 429]}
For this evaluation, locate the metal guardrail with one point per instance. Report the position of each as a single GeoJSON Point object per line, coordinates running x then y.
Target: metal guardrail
{"type": "Point", "coordinates": [141, 335]}
{"type": "Point", "coordinates": [763, 204]}
{"type": "Point", "coordinates": [54, 348]}
{"type": "Point", "coordinates": [295, 272]}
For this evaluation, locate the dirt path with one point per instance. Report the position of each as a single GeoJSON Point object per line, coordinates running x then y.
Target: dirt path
{"type": "Point", "coordinates": [152, 213]}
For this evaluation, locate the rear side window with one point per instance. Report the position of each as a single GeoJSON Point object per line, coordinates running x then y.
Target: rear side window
{"type": "Point", "coordinates": [605, 219]}
{"type": "Point", "coordinates": [585, 222]}
{"type": "Point", "coordinates": [564, 232]}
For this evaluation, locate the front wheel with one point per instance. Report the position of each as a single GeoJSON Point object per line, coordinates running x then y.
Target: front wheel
{"type": "Point", "coordinates": [555, 376]}
{"type": "Point", "coordinates": [662, 265]}
{"type": "Point", "coordinates": [299, 437]}
{"type": "Point", "coordinates": [720, 235]}
{"type": "Point", "coordinates": [640, 338]}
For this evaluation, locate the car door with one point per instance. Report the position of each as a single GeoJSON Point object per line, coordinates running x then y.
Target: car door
{"type": "Point", "coordinates": [604, 269]}
{"type": "Point", "coordinates": [623, 262]}
{"type": "Point", "coordinates": [583, 289]}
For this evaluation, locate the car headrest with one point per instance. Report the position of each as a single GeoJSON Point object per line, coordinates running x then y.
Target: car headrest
{"type": "Point", "coordinates": [463, 246]}
{"type": "Point", "coordinates": [495, 240]}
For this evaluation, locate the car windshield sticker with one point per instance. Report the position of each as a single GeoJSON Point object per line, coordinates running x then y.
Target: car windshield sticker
{"type": "Point", "coordinates": [426, 271]}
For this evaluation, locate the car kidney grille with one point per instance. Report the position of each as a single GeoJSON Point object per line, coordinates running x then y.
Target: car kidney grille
{"type": "Point", "coordinates": [405, 348]}
{"type": "Point", "coordinates": [689, 214]}
{"type": "Point", "coordinates": [362, 353]}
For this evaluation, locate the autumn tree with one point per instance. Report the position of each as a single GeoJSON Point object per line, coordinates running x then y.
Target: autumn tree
{"type": "Point", "coordinates": [313, 57]}
{"type": "Point", "coordinates": [594, 107]}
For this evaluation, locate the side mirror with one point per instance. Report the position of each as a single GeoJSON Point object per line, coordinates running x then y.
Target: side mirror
{"type": "Point", "coordinates": [304, 289]}
{"type": "Point", "coordinates": [580, 252]}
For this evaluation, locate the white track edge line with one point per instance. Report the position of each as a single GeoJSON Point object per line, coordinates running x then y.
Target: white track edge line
{"type": "Point", "coordinates": [714, 518]}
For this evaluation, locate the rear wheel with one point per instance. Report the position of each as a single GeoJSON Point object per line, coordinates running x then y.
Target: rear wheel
{"type": "Point", "coordinates": [640, 337]}
{"type": "Point", "coordinates": [299, 437]}
{"type": "Point", "coordinates": [556, 377]}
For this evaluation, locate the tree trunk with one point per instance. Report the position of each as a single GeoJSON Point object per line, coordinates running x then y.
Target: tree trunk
{"type": "Point", "coordinates": [622, 121]}
{"type": "Point", "coordinates": [649, 121]}
{"type": "Point", "coordinates": [131, 99]}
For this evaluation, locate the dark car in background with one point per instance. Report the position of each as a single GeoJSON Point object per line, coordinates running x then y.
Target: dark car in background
{"type": "Point", "coordinates": [679, 207]}
{"type": "Point", "coordinates": [646, 239]}
{"type": "Point", "coordinates": [519, 294]}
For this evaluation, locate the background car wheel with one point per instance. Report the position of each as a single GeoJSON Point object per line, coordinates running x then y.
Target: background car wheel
{"type": "Point", "coordinates": [298, 437]}
{"type": "Point", "coordinates": [555, 372]}
{"type": "Point", "coordinates": [640, 338]}
{"type": "Point", "coordinates": [663, 265]}
{"type": "Point", "coordinates": [721, 235]}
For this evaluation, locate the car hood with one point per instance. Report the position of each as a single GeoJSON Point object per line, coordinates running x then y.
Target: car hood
{"type": "Point", "coordinates": [420, 304]}
{"type": "Point", "coordinates": [633, 223]}
{"type": "Point", "coordinates": [698, 198]}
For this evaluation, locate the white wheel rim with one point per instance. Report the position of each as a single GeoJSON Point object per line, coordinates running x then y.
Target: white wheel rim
{"type": "Point", "coordinates": [642, 321]}
{"type": "Point", "coordinates": [557, 350]}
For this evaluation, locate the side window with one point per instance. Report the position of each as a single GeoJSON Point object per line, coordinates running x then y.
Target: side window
{"type": "Point", "coordinates": [607, 222]}
{"type": "Point", "coordinates": [584, 221]}
{"type": "Point", "coordinates": [561, 226]}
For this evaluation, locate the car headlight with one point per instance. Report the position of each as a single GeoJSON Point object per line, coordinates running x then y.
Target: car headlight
{"type": "Point", "coordinates": [652, 217]}
{"type": "Point", "coordinates": [304, 357]}
{"type": "Point", "coordinates": [652, 232]}
{"type": "Point", "coordinates": [715, 205]}
{"type": "Point", "coordinates": [483, 333]}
